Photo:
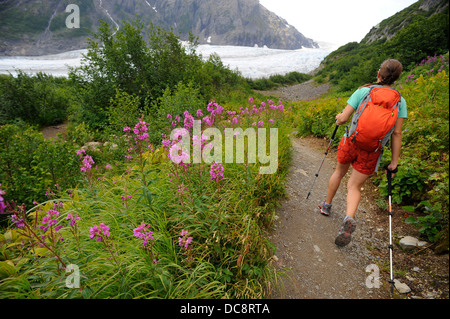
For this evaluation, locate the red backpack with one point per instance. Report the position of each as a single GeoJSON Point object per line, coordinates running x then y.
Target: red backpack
{"type": "Point", "coordinates": [375, 118]}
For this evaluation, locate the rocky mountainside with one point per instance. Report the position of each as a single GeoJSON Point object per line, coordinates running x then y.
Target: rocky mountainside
{"type": "Point", "coordinates": [388, 28]}
{"type": "Point", "coordinates": [34, 27]}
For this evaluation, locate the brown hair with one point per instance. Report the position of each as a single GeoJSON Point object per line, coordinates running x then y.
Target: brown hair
{"type": "Point", "coordinates": [390, 71]}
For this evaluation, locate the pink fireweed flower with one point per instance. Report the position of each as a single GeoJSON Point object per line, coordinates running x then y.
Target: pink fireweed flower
{"type": "Point", "coordinates": [209, 120]}
{"type": "Point", "coordinates": [143, 233]}
{"type": "Point", "coordinates": [216, 172]}
{"type": "Point", "coordinates": [86, 164]}
{"type": "Point", "coordinates": [80, 153]}
{"type": "Point", "coordinates": [125, 198]}
{"type": "Point", "coordinates": [166, 144]}
{"type": "Point", "coordinates": [250, 100]}
{"type": "Point", "coordinates": [2, 204]}
{"type": "Point", "coordinates": [108, 166]}
{"type": "Point", "coordinates": [127, 129]}
{"type": "Point", "coordinates": [199, 141]}
{"type": "Point", "coordinates": [188, 120]}
{"type": "Point", "coordinates": [140, 130]}
{"type": "Point", "coordinates": [49, 220]}
{"type": "Point", "coordinates": [181, 188]}
{"type": "Point", "coordinates": [199, 113]}
{"type": "Point", "coordinates": [184, 241]}
{"type": "Point", "coordinates": [271, 121]}
{"type": "Point", "coordinates": [18, 221]}
{"type": "Point", "coordinates": [99, 231]}
{"type": "Point", "coordinates": [177, 155]}
{"type": "Point", "coordinates": [73, 219]}
{"type": "Point", "coordinates": [260, 124]}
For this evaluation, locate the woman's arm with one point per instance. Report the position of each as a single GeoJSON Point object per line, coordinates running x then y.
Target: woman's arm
{"type": "Point", "coordinates": [396, 143]}
{"type": "Point", "coordinates": [343, 117]}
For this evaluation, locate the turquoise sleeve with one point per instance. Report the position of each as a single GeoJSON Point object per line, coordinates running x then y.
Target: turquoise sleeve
{"type": "Point", "coordinates": [403, 110]}
{"type": "Point", "coordinates": [357, 97]}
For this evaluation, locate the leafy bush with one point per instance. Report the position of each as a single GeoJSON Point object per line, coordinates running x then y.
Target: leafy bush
{"type": "Point", "coordinates": [31, 167]}
{"type": "Point", "coordinates": [39, 100]}
{"type": "Point", "coordinates": [183, 98]}
{"type": "Point", "coordinates": [142, 69]}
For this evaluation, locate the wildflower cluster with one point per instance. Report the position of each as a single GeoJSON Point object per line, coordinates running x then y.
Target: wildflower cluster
{"type": "Point", "coordinates": [216, 172]}
{"type": "Point", "coordinates": [86, 164]}
{"type": "Point", "coordinates": [184, 241]}
{"type": "Point", "coordinates": [99, 232]}
{"type": "Point", "coordinates": [140, 138]}
{"type": "Point", "coordinates": [18, 221]}
{"type": "Point", "coordinates": [86, 161]}
{"type": "Point", "coordinates": [438, 64]}
{"type": "Point", "coordinates": [49, 220]}
{"type": "Point", "coordinates": [143, 233]}
{"type": "Point", "coordinates": [125, 198]}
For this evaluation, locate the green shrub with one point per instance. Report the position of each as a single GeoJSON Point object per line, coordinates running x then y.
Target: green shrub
{"type": "Point", "coordinates": [31, 166]}
{"type": "Point", "coordinates": [39, 100]}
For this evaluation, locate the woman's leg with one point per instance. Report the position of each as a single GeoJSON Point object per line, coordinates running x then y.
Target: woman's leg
{"type": "Point", "coordinates": [354, 185]}
{"type": "Point", "coordinates": [335, 181]}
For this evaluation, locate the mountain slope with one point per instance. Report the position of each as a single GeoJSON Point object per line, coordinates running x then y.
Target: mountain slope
{"type": "Point", "coordinates": [389, 27]}
{"type": "Point", "coordinates": [32, 27]}
{"type": "Point", "coordinates": [413, 34]}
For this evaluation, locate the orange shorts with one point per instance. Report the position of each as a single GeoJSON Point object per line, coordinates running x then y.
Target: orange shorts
{"type": "Point", "coordinates": [363, 161]}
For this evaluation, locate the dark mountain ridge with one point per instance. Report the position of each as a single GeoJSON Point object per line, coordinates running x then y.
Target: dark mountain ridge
{"type": "Point", "coordinates": [33, 27]}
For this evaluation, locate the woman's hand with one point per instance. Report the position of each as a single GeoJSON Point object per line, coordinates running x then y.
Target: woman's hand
{"type": "Point", "coordinates": [392, 169]}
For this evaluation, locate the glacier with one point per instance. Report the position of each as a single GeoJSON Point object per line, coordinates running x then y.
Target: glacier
{"type": "Point", "coordinates": [251, 62]}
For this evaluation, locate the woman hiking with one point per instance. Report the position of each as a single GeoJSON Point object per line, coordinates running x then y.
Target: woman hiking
{"type": "Point", "coordinates": [360, 155]}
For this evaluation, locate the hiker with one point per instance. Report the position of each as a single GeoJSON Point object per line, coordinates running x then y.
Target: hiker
{"type": "Point", "coordinates": [365, 155]}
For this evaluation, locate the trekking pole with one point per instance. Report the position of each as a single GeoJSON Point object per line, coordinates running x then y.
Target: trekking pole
{"type": "Point", "coordinates": [326, 153]}
{"type": "Point", "coordinates": [391, 247]}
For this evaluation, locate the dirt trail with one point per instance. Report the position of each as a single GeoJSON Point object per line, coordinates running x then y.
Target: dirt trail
{"type": "Point", "coordinates": [315, 267]}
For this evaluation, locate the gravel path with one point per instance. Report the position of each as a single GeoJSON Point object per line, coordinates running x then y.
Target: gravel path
{"type": "Point", "coordinates": [304, 91]}
{"type": "Point", "coordinates": [316, 268]}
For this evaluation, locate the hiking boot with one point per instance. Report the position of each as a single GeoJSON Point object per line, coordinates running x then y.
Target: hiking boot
{"type": "Point", "coordinates": [325, 209]}
{"type": "Point", "coordinates": [345, 234]}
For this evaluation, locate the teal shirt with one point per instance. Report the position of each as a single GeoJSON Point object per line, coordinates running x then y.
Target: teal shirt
{"type": "Point", "coordinates": [359, 94]}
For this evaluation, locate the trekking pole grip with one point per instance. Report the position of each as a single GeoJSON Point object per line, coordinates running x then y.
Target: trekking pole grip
{"type": "Point", "coordinates": [389, 177]}
{"type": "Point", "coordinates": [334, 133]}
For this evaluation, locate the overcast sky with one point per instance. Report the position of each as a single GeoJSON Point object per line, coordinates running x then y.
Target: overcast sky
{"type": "Point", "coordinates": [335, 21]}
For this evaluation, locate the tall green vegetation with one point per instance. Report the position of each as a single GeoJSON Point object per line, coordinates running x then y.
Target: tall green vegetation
{"type": "Point", "coordinates": [39, 100]}
{"type": "Point", "coordinates": [142, 63]}
{"type": "Point", "coordinates": [146, 227]}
